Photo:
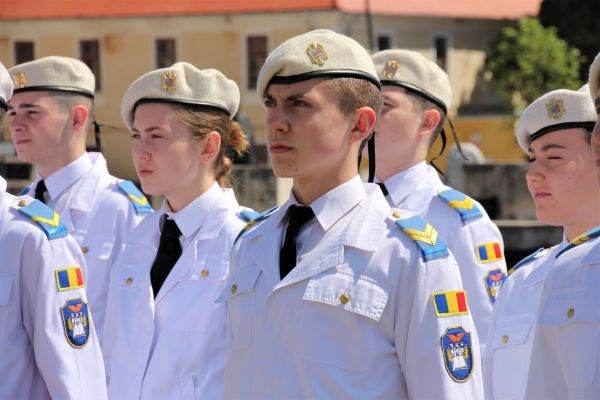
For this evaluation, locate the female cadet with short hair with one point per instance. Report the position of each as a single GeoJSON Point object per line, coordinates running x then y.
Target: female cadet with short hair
{"type": "Point", "coordinates": [165, 335]}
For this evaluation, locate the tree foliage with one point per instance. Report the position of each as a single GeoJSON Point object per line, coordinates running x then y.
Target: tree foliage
{"type": "Point", "coordinates": [528, 60]}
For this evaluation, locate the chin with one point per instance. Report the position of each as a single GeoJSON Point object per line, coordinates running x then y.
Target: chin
{"type": "Point", "coordinates": [548, 217]}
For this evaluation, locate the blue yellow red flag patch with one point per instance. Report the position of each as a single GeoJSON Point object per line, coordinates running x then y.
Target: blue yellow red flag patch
{"type": "Point", "coordinates": [457, 353]}
{"type": "Point", "coordinates": [493, 282]}
{"type": "Point", "coordinates": [76, 322]}
{"type": "Point", "coordinates": [447, 304]}
{"type": "Point", "coordinates": [488, 252]}
{"type": "Point", "coordinates": [68, 278]}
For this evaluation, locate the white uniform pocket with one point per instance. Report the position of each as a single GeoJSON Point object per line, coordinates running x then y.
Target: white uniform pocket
{"type": "Point", "coordinates": [240, 295]}
{"type": "Point", "coordinates": [572, 318]}
{"type": "Point", "coordinates": [339, 308]}
{"type": "Point", "coordinates": [5, 290]}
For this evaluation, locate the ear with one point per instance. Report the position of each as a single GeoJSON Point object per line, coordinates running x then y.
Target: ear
{"type": "Point", "coordinates": [365, 118]}
{"type": "Point", "coordinates": [210, 148]}
{"type": "Point", "coordinates": [79, 116]}
{"type": "Point", "coordinates": [429, 121]}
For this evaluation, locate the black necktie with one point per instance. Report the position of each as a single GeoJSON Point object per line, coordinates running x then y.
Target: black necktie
{"type": "Point", "coordinates": [169, 251]}
{"type": "Point", "coordinates": [297, 217]}
{"type": "Point", "coordinates": [40, 189]}
{"type": "Point", "coordinates": [383, 188]}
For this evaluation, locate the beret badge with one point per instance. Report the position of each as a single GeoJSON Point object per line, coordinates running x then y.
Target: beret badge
{"type": "Point", "coordinates": [390, 68]}
{"type": "Point", "coordinates": [168, 81]}
{"type": "Point", "coordinates": [555, 109]}
{"type": "Point", "coordinates": [317, 54]}
{"type": "Point", "coordinates": [20, 80]}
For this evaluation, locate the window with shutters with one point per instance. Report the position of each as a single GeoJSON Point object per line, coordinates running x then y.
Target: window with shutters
{"type": "Point", "coordinates": [89, 53]}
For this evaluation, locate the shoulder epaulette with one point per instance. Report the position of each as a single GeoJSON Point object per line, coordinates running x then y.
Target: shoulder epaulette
{"type": "Point", "coordinates": [260, 217]}
{"type": "Point", "coordinates": [591, 234]}
{"type": "Point", "coordinates": [423, 234]}
{"type": "Point", "coordinates": [140, 202]}
{"type": "Point", "coordinates": [463, 204]}
{"type": "Point", "coordinates": [249, 214]}
{"type": "Point", "coordinates": [527, 260]}
{"type": "Point", "coordinates": [45, 217]}
{"type": "Point", "coordinates": [25, 190]}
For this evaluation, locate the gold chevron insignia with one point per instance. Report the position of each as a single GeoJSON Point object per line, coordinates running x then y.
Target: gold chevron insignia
{"type": "Point", "coordinates": [142, 201]}
{"type": "Point", "coordinates": [580, 239]}
{"type": "Point", "coordinates": [428, 236]}
{"type": "Point", "coordinates": [467, 203]}
{"type": "Point", "coordinates": [52, 222]}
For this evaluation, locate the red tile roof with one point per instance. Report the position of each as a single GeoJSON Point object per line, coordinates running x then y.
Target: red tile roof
{"type": "Point", "coordinates": [51, 9]}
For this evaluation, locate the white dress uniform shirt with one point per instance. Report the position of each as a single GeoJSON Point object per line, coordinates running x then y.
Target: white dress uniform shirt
{"type": "Point", "coordinates": [565, 358]}
{"type": "Point", "coordinates": [172, 346]}
{"type": "Point", "coordinates": [36, 359]}
{"type": "Point", "coordinates": [510, 336]}
{"type": "Point", "coordinates": [353, 319]}
{"type": "Point", "coordinates": [416, 190]}
{"type": "Point", "coordinates": [98, 215]}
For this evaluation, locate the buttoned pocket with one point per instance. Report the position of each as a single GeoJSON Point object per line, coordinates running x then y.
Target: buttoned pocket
{"type": "Point", "coordinates": [573, 319]}
{"type": "Point", "coordinates": [342, 308]}
{"type": "Point", "coordinates": [129, 287]}
{"type": "Point", "coordinates": [510, 351]}
{"type": "Point", "coordinates": [240, 295]}
{"type": "Point", "coordinates": [6, 282]}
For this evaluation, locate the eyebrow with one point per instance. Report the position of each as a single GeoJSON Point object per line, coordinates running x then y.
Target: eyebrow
{"type": "Point", "coordinates": [291, 97]}
{"type": "Point", "coordinates": [24, 105]}
{"type": "Point", "coordinates": [151, 129]}
{"type": "Point", "coordinates": [552, 146]}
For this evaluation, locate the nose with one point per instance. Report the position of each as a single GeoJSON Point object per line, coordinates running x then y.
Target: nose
{"type": "Point", "coordinates": [534, 174]}
{"type": "Point", "coordinates": [140, 150]}
{"type": "Point", "coordinates": [16, 125]}
{"type": "Point", "coordinates": [277, 122]}
{"type": "Point", "coordinates": [596, 131]}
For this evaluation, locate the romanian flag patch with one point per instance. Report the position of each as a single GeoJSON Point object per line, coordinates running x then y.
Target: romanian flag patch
{"type": "Point", "coordinates": [488, 252]}
{"type": "Point", "coordinates": [447, 304]}
{"type": "Point", "coordinates": [69, 278]}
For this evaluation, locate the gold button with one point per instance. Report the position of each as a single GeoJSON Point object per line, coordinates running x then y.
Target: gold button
{"type": "Point", "coordinates": [22, 203]}
{"type": "Point", "coordinates": [233, 289]}
{"type": "Point", "coordinates": [396, 214]}
{"type": "Point", "coordinates": [204, 273]}
{"type": "Point", "coordinates": [85, 250]}
{"type": "Point", "coordinates": [344, 298]}
{"type": "Point", "coordinates": [129, 280]}
{"type": "Point", "coordinates": [570, 312]}
{"type": "Point", "coordinates": [505, 339]}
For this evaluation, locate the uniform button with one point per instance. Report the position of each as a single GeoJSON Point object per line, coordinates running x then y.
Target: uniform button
{"type": "Point", "coordinates": [233, 289]}
{"type": "Point", "coordinates": [204, 273]}
{"type": "Point", "coordinates": [396, 214]}
{"type": "Point", "coordinates": [505, 339]}
{"type": "Point", "coordinates": [344, 298]}
{"type": "Point", "coordinates": [85, 250]}
{"type": "Point", "coordinates": [129, 280]}
{"type": "Point", "coordinates": [22, 203]}
{"type": "Point", "coordinates": [570, 312]}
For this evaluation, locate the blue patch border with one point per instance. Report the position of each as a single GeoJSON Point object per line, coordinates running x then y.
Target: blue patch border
{"type": "Point", "coordinates": [70, 339]}
{"type": "Point", "coordinates": [467, 340]}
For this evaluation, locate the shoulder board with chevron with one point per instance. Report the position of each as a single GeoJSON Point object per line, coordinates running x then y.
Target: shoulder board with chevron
{"type": "Point", "coordinates": [528, 259]}
{"type": "Point", "coordinates": [249, 214]}
{"type": "Point", "coordinates": [139, 201]}
{"type": "Point", "coordinates": [260, 217]}
{"type": "Point", "coordinates": [463, 204]}
{"type": "Point", "coordinates": [591, 234]}
{"type": "Point", "coordinates": [25, 190]}
{"type": "Point", "coordinates": [45, 217]}
{"type": "Point", "coordinates": [424, 235]}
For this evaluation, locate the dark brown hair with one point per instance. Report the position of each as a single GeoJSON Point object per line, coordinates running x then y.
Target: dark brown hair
{"type": "Point", "coordinates": [354, 93]}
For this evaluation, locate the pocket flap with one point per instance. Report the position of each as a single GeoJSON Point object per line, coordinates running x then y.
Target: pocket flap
{"type": "Point", "coordinates": [356, 295]}
{"type": "Point", "coordinates": [512, 333]}
{"type": "Point", "coordinates": [5, 286]}
{"type": "Point", "coordinates": [241, 281]}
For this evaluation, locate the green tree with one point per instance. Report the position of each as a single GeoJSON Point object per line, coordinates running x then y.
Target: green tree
{"type": "Point", "coordinates": [528, 60]}
{"type": "Point", "coordinates": [576, 22]}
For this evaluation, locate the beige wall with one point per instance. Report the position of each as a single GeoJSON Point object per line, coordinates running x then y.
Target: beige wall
{"type": "Point", "coordinates": [127, 51]}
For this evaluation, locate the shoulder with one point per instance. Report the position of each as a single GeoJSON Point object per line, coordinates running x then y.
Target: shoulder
{"type": "Point", "coordinates": [467, 208]}
{"type": "Point", "coordinates": [421, 232]}
{"type": "Point", "coordinates": [123, 194]}
{"type": "Point", "coordinates": [531, 260]}
{"type": "Point", "coordinates": [258, 217]}
{"type": "Point", "coordinates": [35, 216]}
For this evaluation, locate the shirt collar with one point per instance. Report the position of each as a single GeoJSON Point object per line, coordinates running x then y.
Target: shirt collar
{"type": "Point", "coordinates": [403, 183]}
{"type": "Point", "coordinates": [2, 186]}
{"type": "Point", "coordinates": [59, 181]}
{"type": "Point", "coordinates": [333, 205]}
{"type": "Point", "coordinates": [191, 217]}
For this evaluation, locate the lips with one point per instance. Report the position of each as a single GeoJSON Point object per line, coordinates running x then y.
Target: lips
{"type": "Point", "coordinates": [278, 148]}
{"type": "Point", "coordinates": [539, 195]}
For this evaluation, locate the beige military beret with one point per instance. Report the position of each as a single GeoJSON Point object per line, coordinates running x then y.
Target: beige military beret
{"type": "Point", "coordinates": [559, 109]}
{"type": "Point", "coordinates": [315, 54]}
{"type": "Point", "coordinates": [412, 71]}
{"type": "Point", "coordinates": [6, 87]}
{"type": "Point", "coordinates": [54, 73]}
{"type": "Point", "coordinates": [181, 83]}
{"type": "Point", "coordinates": [594, 77]}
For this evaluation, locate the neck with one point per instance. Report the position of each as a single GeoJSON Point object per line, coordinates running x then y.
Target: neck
{"type": "Point", "coordinates": [309, 188]}
{"type": "Point", "coordinates": [576, 229]}
{"type": "Point", "coordinates": [185, 194]}
{"type": "Point", "coordinates": [393, 164]}
{"type": "Point", "coordinates": [59, 160]}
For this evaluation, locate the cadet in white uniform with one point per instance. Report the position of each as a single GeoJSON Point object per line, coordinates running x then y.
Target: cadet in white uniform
{"type": "Point", "coordinates": [417, 96]}
{"type": "Point", "coordinates": [555, 132]}
{"type": "Point", "coordinates": [565, 359]}
{"type": "Point", "coordinates": [48, 346]}
{"type": "Point", "coordinates": [361, 301]}
{"type": "Point", "coordinates": [50, 114]}
{"type": "Point", "coordinates": [165, 335]}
